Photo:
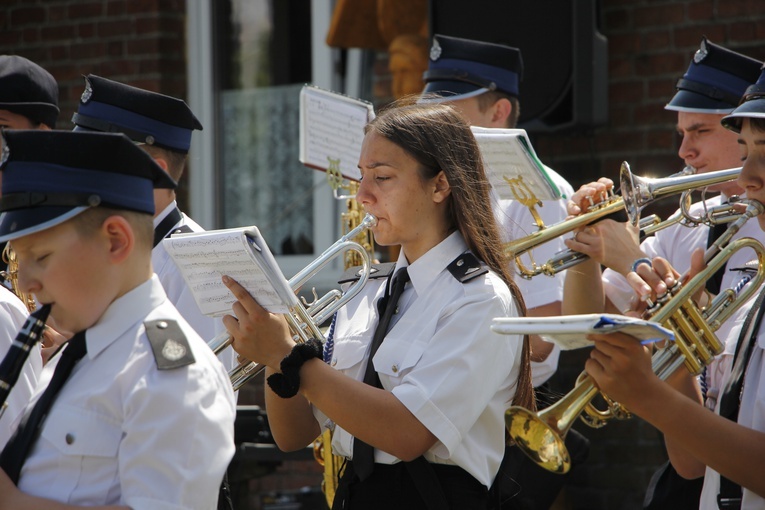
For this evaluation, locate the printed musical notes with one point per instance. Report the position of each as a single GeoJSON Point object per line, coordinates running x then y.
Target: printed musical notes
{"type": "Point", "coordinates": [331, 130]}
{"type": "Point", "coordinates": [241, 253]}
{"type": "Point", "coordinates": [510, 161]}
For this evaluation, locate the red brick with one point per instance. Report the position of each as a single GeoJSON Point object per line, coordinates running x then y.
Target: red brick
{"type": "Point", "coordinates": [142, 6]}
{"type": "Point", "coordinates": [27, 15]}
{"type": "Point", "coordinates": [115, 48]}
{"type": "Point", "coordinates": [743, 31]}
{"type": "Point", "coordinates": [116, 28]}
{"type": "Point", "coordinates": [87, 50]}
{"type": "Point", "coordinates": [662, 88]}
{"type": "Point", "coordinates": [57, 32]}
{"type": "Point", "coordinates": [623, 44]}
{"type": "Point", "coordinates": [731, 8]}
{"type": "Point", "coordinates": [691, 37]}
{"type": "Point", "coordinates": [57, 13]}
{"type": "Point", "coordinates": [652, 65]}
{"type": "Point", "coordinates": [617, 19]}
{"type": "Point", "coordinates": [116, 7]}
{"type": "Point", "coordinates": [86, 30]}
{"type": "Point", "coordinates": [142, 46]}
{"type": "Point", "coordinates": [81, 10]}
{"type": "Point", "coordinates": [31, 35]}
{"type": "Point", "coordinates": [659, 15]}
{"type": "Point", "coordinates": [703, 10]}
{"type": "Point", "coordinates": [626, 92]}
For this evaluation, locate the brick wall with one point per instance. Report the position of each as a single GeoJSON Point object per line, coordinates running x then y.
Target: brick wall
{"type": "Point", "coordinates": [138, 42]}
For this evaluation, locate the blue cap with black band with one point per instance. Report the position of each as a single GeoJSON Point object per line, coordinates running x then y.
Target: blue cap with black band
{"type": "Point", "coordinates": [463, 68]}
{"type": "Point", "coordinates": [144, 116]}
{"type": "Point", "coordinates": [752, 105]}
{"type": "Point", "coordinates": [52, 176]}
{"type": "Point", "coordinates": [715, 80]}
{"type": "Point", "coordinates": [29, 90]}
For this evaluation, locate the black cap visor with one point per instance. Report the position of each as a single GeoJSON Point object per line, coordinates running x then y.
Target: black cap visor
{"type": "Point", "coordinates": [23, 222]}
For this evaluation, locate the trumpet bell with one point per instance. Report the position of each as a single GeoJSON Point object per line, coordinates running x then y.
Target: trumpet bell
{"type": "Point", "coordinates": [541, 442]}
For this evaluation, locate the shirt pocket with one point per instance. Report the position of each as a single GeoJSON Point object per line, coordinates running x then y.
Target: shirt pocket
{"type": "Point", "coordinates": [349, 353]}
{"type": "Point", "coordinates": [402, 349]}
{"type": "Point", "coordinates": [81, 433]}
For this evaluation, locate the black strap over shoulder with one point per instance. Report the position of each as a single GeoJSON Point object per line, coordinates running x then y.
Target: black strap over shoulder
{"type": "Point", "coordinates": [165, 226]}
{"type": "Point", "coordinates": [376, 272]}
{"type": "Point", "coordinates": [466, 267]}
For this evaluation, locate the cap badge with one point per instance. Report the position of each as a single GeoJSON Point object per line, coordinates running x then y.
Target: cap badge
{"type": "Point", "coordinates": [6, 152]}
{"type": "Point", "coordinates": [701, 53]}
{"type": "Point", "coordinates": [435, 50]}
{"type": "Point", "coordinates": [173, 350]}
{"type": "Point", "coordinates": [87, 93]}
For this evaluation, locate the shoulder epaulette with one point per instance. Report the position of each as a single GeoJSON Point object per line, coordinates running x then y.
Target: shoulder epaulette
{"type": "Point", "coordinates": [183, 229]}
{"type": "Point", "coordinates": [466, 267]}
{"type": "Point", "coordinates": [377, 271]}
{"type": "Point", "coordinates": [170, 347]}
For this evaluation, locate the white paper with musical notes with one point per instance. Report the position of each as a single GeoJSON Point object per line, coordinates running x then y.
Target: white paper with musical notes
{"type": "Point", "coordinates": [241, 253]}
{"type": "Point", "coordinates": [331, 130]}
{"type": "Point", "coordinates": [570, 331]}
{"type": "Point", "coordinates": [510, 160]}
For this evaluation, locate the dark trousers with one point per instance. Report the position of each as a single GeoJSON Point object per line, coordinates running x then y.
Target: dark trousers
{"type": "Point", "coordinates": [391, 486]}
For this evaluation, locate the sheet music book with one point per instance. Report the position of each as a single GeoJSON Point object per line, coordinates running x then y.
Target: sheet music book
{"type": "Point", "coordinates": [242, 254]}
{"type": "Point", "coordinates": [508, 154]}
{"type": "Point", "coordinates": [568, 331]}
{"type": "Point", "coordinates": [331, 130]}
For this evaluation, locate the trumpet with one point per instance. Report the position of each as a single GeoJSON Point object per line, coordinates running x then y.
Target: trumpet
{"type": "Point", "coordinates": [541, 435]}
{"type": "Point", "coordinates": [304, 319]}
{"type": "Point", "coordinates": [637, 193]}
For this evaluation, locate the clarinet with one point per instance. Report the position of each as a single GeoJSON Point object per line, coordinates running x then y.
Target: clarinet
{"type": "Point", "coordinates": [17, 355]}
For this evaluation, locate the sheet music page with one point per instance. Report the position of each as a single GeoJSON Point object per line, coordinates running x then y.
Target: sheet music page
{"type": "Point", "coordinates": [508, 154]}
{"type": "Point", "coordinates": [569, 331]}
{"type": "Point", "coordinates": [203, 257]}
{"type": "Point", "coordinates": [331, 130]}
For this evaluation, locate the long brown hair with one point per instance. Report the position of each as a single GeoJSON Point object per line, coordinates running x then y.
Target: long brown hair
{"type": "Point", "coordinates": [438, 138]}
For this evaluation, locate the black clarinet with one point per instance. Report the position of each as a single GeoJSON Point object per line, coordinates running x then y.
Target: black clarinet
{"type": "Point", "coordinates": [17, 355]}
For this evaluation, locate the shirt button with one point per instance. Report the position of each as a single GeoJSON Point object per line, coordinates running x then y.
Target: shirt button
{"type": "Point", "coordinates": [162, 325]}
{"type": "Point", "coordinates": [394, 368]}
{"type": "Point", "coordinates": [69, 438]}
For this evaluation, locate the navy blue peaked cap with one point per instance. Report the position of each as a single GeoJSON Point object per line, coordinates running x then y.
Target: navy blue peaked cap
{"type": "Point", "coordinates": [462, 68]}
{"type": "Point", "coordinates": [29, 90]}
{"type": "Point", "coordinates": [715, 80]}
{"type": "Point", "coordinates": [52, 176]}
{"type": "Point", "coordinates": [752, 105]}
{"type": "Point", "coordinates": [144, 116]}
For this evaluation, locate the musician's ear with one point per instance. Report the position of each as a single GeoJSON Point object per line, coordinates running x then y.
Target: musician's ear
{"type": "Point", "coordinates": [501, 111]}
{"type": "Point", "coordinates": [441, 189]}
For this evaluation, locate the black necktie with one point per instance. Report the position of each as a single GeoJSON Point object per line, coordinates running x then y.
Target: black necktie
{"type": "Point", "coordinates": [364, 454]}
{"type": "Point", "coordinates": [713, 284]}
{"type": "Point", "coordinates": [730, 399]}
{"type": "Point", "coordinates": [20, 444]}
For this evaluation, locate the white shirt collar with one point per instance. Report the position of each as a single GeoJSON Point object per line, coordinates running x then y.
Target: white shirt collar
{"type": "Point", "coordinates": [426, 269]}
{"type": "Point", "coordinates": [115, 321]}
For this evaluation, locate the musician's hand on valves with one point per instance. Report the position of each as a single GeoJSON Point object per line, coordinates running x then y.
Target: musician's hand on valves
{"type": "Point", "coordinates": [651, 279]}
{"type": "Point", "coordinates": [588, 195]}
{"type": "Point", "coordinates": [621, 367]}
{"type": "Point", "coordinates": [259, 335]}
{"type": "Point", "coordinates": [609, 242]}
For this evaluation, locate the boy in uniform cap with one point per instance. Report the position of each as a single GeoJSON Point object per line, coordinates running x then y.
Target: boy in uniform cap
{"type": "Point", "coordinates": [711, 88]}
{"type": "Point", "coordinates": [482, 81]}
{"type": "Point", "coordinates": [162, 126]}
{"type": "Point", "coordinates": [28, 95]}
{"type": "Point", "coordinates": [731, 441]}
{"type": "Point", "coordinates": [28, 100]}
{"type": "Point", "coordinates": [144, 416]}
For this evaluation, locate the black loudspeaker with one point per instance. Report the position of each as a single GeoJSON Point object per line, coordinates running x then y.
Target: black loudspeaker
{"type": "Point", "coordinates": [565, 57]}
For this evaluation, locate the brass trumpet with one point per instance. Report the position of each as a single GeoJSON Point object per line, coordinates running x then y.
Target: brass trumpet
{"type": "Point", "coordinates": [541, 435]}
{"type": "Point", "coordinates": [304, 319]}
{"type": "Point", "coordinates": [637, 192]}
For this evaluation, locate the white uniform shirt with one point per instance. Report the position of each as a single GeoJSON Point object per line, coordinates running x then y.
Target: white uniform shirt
{"type": "Point", "coordinates": [13, 313]}
{"type": "Point", "coordinates": [122, 432]}
{"type": "Point", "coordinates": [440, 359]}
{"type": "Point", "coordinates": [515, 222]}
{"type": "Point", "coordinates": [676, 243]}
{"type": "Point", "coordinates": [752, 415]}
{"type": "Point", "coordinates": [179, 293]}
